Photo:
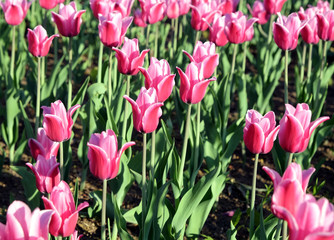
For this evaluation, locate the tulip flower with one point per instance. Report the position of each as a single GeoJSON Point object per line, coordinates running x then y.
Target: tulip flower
{"type": "Point", "coordinates": [260, 131]}
{"type": "Point", "coordinates": [75, 236]}
{"type": "Point", "coordinates": [226, 6]}
{"type": "Point", "coordinates": [104, 157]}
{"type": "Point", "coordinates": [15, 10]}
{"type": "Point", "coordinates": [176, 8]}
{"type": "Point", "coordinates": [38, 41]}
{"type": "Point", "coordinates": [205, 53]}
{"type": "Point", "coordinates": [323, 6]}
{"type": "Point", "coordinates": [296, 128]}
{"type": "Point", "coordinates": [24, 224]}
{"type": "Point", "coordinates": [202, 15]}
{"type": "Point", "coordinates": [310, 30]}
{"type": "Point", "coordinates": [48, 4]}
{"type": "Point", "coordinates": [112, 29]}
{"type": "Point", "coordinates": [68, 20]}
{"type": "Point", "coordinates": [129, 57]}
{"type": "Point", "coordinates": [217, 33]}
{"type": "Point", "coordinates": [103, 7]}
{"type": "Point", "coordinates": [286, 31]}
{"type": "Point", "coordinates": [46, 172]}
{"type": "Point", "coordinates": [43, 145]}
{"type": "Point", "coordinates": [123, 6]}
{"type": "Point", "coordinates": [326, 25]}
{"type": "Point", "coordinates": [259, 12]}
{"type": "Point", "coordinates": [146, 110]}
{"type": "Point", "coordinates": [273, 6]}
{"type": "Point", "coordinates": [152, 11]}
{"type": "Point", "coordinates": [193, 84]}
{"type": "Point", "coordinates": [65, 215]}
{"type": "Point", "coordinates": [237, 28]}
{"type": "Point", "coordinates": [158, 76]}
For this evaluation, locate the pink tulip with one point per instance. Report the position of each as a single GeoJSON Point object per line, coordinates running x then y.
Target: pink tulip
{"type": "Point", "coordinates": [259, 12]}
{"type": "Point", "coordinates": [103, 7]}
{"type": "Point", "coordinates": [58, 123]}
{"type": "Point", "coordinates": [202, 15]}
{"type": "Point", "coordinates": [43, 145]}
{"type": "Point", "coordinates": [112, 29]}
{"type": "Point", "coordinates": [326, 25]}
{"type": "Point", "coordinates": [312, 220]}
{"type": "Point", "coordinates": [193, 85]}
{"type": "Point", "coordinates": [123, 6]}
{"type": "Point", "coordinates": [46, 172]}
{"type": "Point", "coordinates": [15, 10]}
{"type": "Point", "coordinates": [237, 28]}
{"type": "Point", "coordinates": [22, 224]}
{"type": "Point", "coordinates": [323, 6]}
{"type": "Point", "coordinates": [310, 30]}
{"type": "Point", "coordinates": [129, 57]}
{"type": "Point", "coordinates": [226, 6]}
{"type": "Point", "coordinates": [104, 159]}
{"type": "Point", "coordinates": [65, 215]}
{"type": "Point", "coordinates": [296, 128]}
{"type": "Point", "coordinates": [75, 236]}
{"type": "Point", "coordinates": [38, 41]}
{"type": "Point", "coordinates": [205, 53]}
{"type": "Point", "coordinates": [152, 11]}
{"type": "Point", "coordinates": [273, 6]}
{"type": "Point", "coordinates": [48, 4]}
{"type": "Point", "coordinates": [176, 8]}
{"type": "Point", "coordinates": [68, 20]}
{"type": "Point", "coordinates": [260, 132]}
{"type": "Point", "coordinates": [290, 189]}
{"type": "Point", "coordinates": [146, 110]}
{"type": "Point", "coordinates": [217, 32]}
{"type": "Point", "coordinates": [286, 31]}
{"type": "Point", "coordinates": [158, 76]}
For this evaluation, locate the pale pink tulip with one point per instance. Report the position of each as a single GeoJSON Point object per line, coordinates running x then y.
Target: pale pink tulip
{"type": "Point", "coordinates": [43, 145]}
{"type": "Point", "coordinates": [259, 12]}
{"type": "Point", "coordinates": [15, 10]}
{"type": "Point", "coordinates": [152, 11]}
{"type": "Point", "coordinates": [310, 30]}
{"type": "Point", "coordinates": [217, 31]}
{"type": "Point", "coordinates": [38, 41]}
{"type": "Point", "coordinates": [176, 8]}
{"type": "Point", "coordinates": [123, 6]}
{"type": "Point", "coordinates": [323, 6]}
{"type": "Point", "coordinates": [326, 25]}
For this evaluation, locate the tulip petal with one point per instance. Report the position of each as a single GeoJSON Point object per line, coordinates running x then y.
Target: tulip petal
{"type": "Point", "coordinates": [18, 218]}
{"type": "Point", "coordinates": [184, 86]}
{"type": "Point", "coordinates": [151, 117]}
{"type": "Point", "coordinates": [254, 138]}
{"type": "Point", "coordinates": [189, 56]}
{"type": "Point", "coordinates": [136, 113]}
{"type": "Point", "coordinates": [210, 63]}
{"type": "Point", "coordinates": [281, 36]}
{"type": "Point", "coordinates": [199, 90]}
{"type": "Point", "coordinates": [56, 220]}
{"type": "Point", "coordinates": [165, 87]}
{"type": "Point", "coordinates": [69, 225]}
{"type": "Point", "coordinates": [46, 45]}
{"type": "Point", "coordinates": [76, 23]}
{"type": "Point", "coordinates": [61, 25]}
{"type": "Point", "coordinates": [53, 126]}
{"type": "Point", "coordinates": [148, 79]}
{"type": "Point", "coordinates": [14, 15]}
{"type": "Point", "coordinates": [97, 159]}
{"type": "Point", "coordinates": [138, 62]}
{"type": "Point", "coordinates": [275, 177]}
{"type": "Point", "coordinates": [36, 148]}
{"type": "Point", "coordinates": [52, 178]}
{"type": "Point", "coordinates": [291, 134]}
{"type": "Point", "coordinates": [269, 141]}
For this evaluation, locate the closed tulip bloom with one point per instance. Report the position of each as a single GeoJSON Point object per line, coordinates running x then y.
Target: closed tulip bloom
{"type": "Point", "coordinates": [104, 157]}
{"type": "Point", "coordinates": [146, 110]}
{"type": "Point", "coordinates": [310, 30]}
{"type": "Point", "coordinates": [65, 215]}
{"type": "Point", "coordinates": [205, 53]}
{"type": "Point", "coordinates": [129, 57]}
{"type": "Point", "coordinates": [226, 6]}
{"type": "Point", "coordinates": [297, 128]}
{"type": "Point", "coordinates": [123, 6]}
{"type": "Point", "coordinates": [152, 11]}
{"type": "Point", "coordinates": [58, 123]}
{"type": "Point", "coordinates": [46, 172]}
{"type": "Point", "coordinates": [217, 31]}
{"type": "Point", "coordinates": [38, 41]}
{"type": "Point", "coordinates": [158, 76]}
{"type": "Point", "coordinates": [102, 7]}
{"type": "Point", "coordinates": [176, 8]}
{"type": "Point", "coordinates": [259, 12]}
{"type": "Point", "coordinates": [48, 4]}
{"type": "Point", "coordinates": [15, 10]}
{"type": "Point", "coordinates": [68, 20]}
{"type": "Point", "coordinates": [112, 28]}
{"type": "Point", "coordinates": [273, 6]}
{"type": "Point", "coordinates": [43, 145]}
{"type": "Point", "coordinates": [22, 224]}
{"type": "Point", "coordinates": [260, 131]}
{"type": "Point", "coordinates": [193, 85]}
{"type": "Point", "coordinates": [326, 25]}
{"type": "Point", "coordinates": [202, 15]}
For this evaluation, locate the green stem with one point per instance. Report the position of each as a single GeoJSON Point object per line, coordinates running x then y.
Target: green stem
{"type": "Point", "coordinates": [38, 97]}
{"type": "Point", "coordinates": [184, 148]}
{"type": "Point", "coordinates": [290, 159]}
{"type": "Point", "coordinates": [114, 231]}
{"type": "Point", "coordinates": [156, 26]}
{"type": "Point", "coordinates": [152, 155]}
{"type": "Point", "coordinates": [278, 229]}
{"type": "Point", "coordinates": [126, 108]}
{"type": "Point", "coordinates": [55, 44]}
{"type": "Point", "coordinates": [270, 34]}
{"type": "Point", "coordinates": [261, 31]}
{"type": "Point", "coordinates": [43, 71]}
{"type": "Point", "coordinates": [198, 132]}
{"type": "Point", "coordinates": [144, 184]}
{"type": "Point", "coordinates": [60, 238]}
{"type": "Point", "coordinates": [252, 211]}
{"type": "Point", "coordinates": [115, 76]}
{"type": "Point", "coordinates": [12, 62]}
{"type": "Point", "coordinates": [176, 22]}
{"type": "Point", "coordinates": [302, 68]}
{"type": "Point", "coordinates": [99, 69]}
{"type": "Point", "coordinates": [61, 160]}
{"type": "Point", "coordinates": [104, 210]}
{"type": "Point", "coordinates": [235, 50]}
{"type": "Point", "coordinates": [317, 97]}
{"type": "Point", "coordinates": [148, 35]}
{"type": "Point", "coordinates": [109, 78]}
{"type": "Point", "coordinates": [69, 94]}
{"type": "Point", "coordinates": [198, 36]}
{"type": "Point", "coordinates": [285, 230]}
{"type": "Point", "coordinates": [309, 65]}
{"type": "Point", "coordinates": [286, 79]}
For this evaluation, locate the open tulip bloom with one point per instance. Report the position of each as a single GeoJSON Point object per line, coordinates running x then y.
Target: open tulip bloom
{"type": "Point", "coordinates": [217, 32]}
{"type": "Point", "coordinates": [202, 15]}
{"type": "Point", "coordinates": [152, 11]}
{"type": "Point", "coordinates": [43, 145]}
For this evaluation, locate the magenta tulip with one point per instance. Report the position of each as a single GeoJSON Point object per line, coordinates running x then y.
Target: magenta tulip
{"type": "Point", "coordinates": [310, 30]}
{"type": "Point", "coordinates": [38, 41]}
{"type": "Point", "coordinates": [15, 10]}
{"type": "Point", "coordinates": [259, 12]}
{"type": "Point", "coordinates": [103, 7]}
{"type": "Point", "coordinates": [48, 4]}
{"type": "Point", "coordinates": [297, 128]}
{"type": "Point", "coordinates": [260, 131]}
{"type": "Point", "coordinates": [58, 123]}
{"type": "Point", "coordinates": [273, 6]}
{"type": "Point", "coordinates": [226, 6]}
{"type": "Point", "coordinates": [46, 172]}
{"type": "Point", "coordinates": [205, 53]}
{"type": "Point", "coordinates": [217, 31]}
{"type": "Point", "coordinates": [193, 85]}
{"type": "Point", "coordinates": [152, 11]}
{"type": "Point", "coordinates": [146, 110]}
{"type": "Point", "coordinates": [65, 215]}
{"type": "Point", "coordinates": [286, 31]}
{"type": "Point", "coordinates": [237, 28]}
{"type": "Point", "coordinates": [129, 57]}
{"type": "Point", "coordinates": [43, 145]}
{"type": "Point", "coordinates": [112, 29]}
{"type": "Point", "coordinates": [202, 15]}
{"type": "Point", "coordinates": [22, 224]}
{"type": "Point", "coordinates": [326, 25]}
{"type": "Point", "coordinates": [68, 20]}
{"type": "Point", "coordinates": [104, 157]}
{"type": "Point", "coordinates": [176, 8]}
{"type": "Point", "coordinates": [158, 76]}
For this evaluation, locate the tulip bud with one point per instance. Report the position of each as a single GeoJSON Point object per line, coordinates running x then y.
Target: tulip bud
{"type": "Point", "coordinates": [15, 10]}
{"type": "Point", "coordinates": [38, 41]}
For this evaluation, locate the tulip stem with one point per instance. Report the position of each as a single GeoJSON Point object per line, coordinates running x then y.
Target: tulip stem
{"type": "Point", "coordinates": [104, 210]}
{"type": "Point", "coordinates": [115, 75]}
{"type": "Point", "coordinates": [38, 97]}
{"type": "Point", "coordinates": [114, 231]}
{"type": "Point", "coordinates": [61, 160]}
{"type": "Point", "coordinates": [302, 69]}
{"type": "Point", "coordinates": [109, 79]}
{"type": "Point", "coordinates": [290, 159]}
{"type": "Point", "coordinates": [184, 148]}
{"type": "Point", "coordinates": [156, 40]}
{"type": "Point", "coordinates": [286, 79]}
{"type": "Point", "coordinates": [262, 32]}
{"type": "Point", "coordinates": [176, 22]}
{"type": "Point", "coordinates": [12, 62]}
{"type": "Point", "coordinates": [309, 65]}
{"type": "Point", "coordinates": [285, 230]}
{"type": "Point", "coordinates": [252, 211]}
{"type": "Point", "coordinates": [198, 36]}
{"type": "Point", "coordinates": [235, 50]}
{"type": "Point", "coordinates": [152, 155]}
{"type": "Point", "coordinates": [126, 108]}
{"type": "Point", "coordinates": [324, 53]}
{"type": "Point", "coordinates": [55, 44]}
{"type": "Point", "coordinates": [198, 132]}
{"type": "Point", "coordinates": [99, 67]}
{"type": "Point", "coordinates": [69, 94]}
{"type": "Point", "coordinates": [270, 34]}
{"type": "Point", "coordinates": [144, 184]}
{"type": "Point", "coordinates": [148, 35]}
{"type": "Point", "coordinates": [43, 71]}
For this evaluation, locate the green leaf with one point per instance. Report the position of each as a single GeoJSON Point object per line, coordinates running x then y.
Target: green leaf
{"type": "Point", "coordinates": [121, 223]}
{"type": "Point", "coordinates": [79, 97]}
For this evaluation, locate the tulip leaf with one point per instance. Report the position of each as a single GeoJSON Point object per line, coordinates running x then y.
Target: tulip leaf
{"type": "Point", "coordinates": [79, 97]}
{"type": "Point", "coordinates": [27, 124]}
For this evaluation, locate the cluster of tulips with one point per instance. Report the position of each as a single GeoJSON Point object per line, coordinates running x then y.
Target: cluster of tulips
{"type": "Point", "coordinates": [307, 218]}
